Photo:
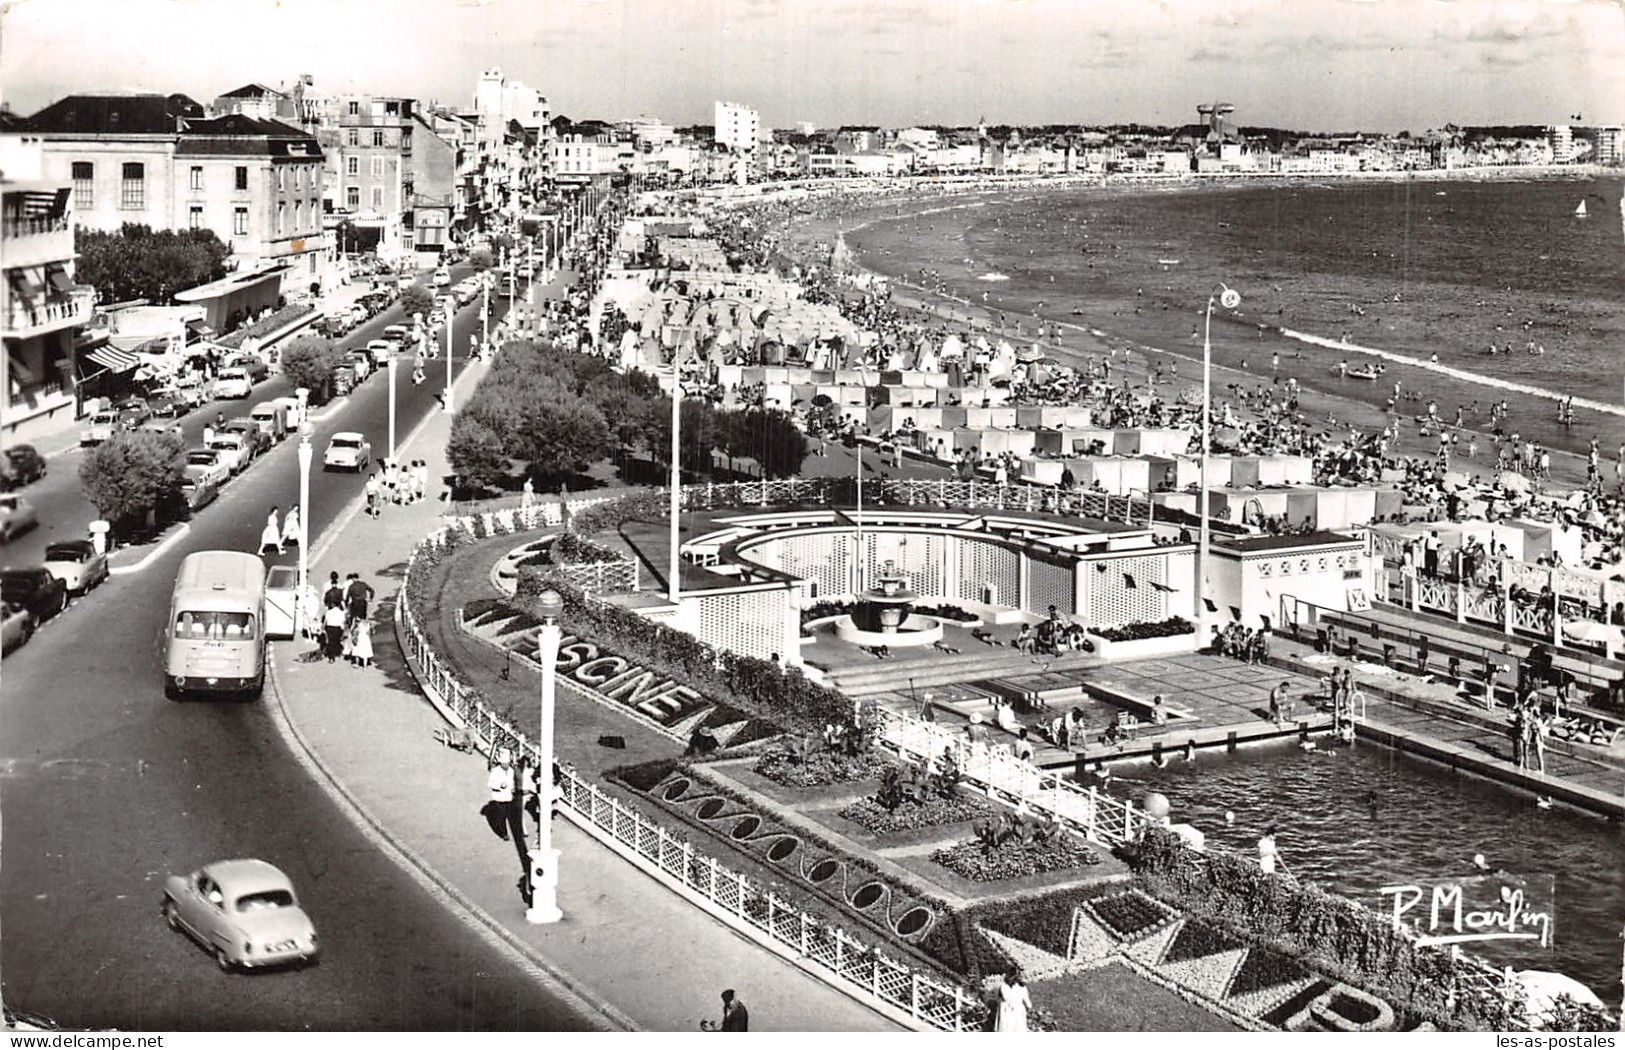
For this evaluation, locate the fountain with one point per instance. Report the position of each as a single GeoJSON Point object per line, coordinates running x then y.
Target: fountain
{"type": "Point", "coordinates": [882, 616]}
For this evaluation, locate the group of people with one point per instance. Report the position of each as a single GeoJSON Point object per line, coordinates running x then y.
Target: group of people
{"type": "Point", "coordinates": [1341, 687]}
{"type": "Point", "coordinates": [1247, 644]}
{"type": "Point", "coordinates": [275, 538]}
{"type": "Point", "coordinates": [342, 625]}
{"type": "Point", "coordinates": [397, 483]}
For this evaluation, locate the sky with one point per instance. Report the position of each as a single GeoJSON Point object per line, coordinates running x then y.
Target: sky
{"type": "Point", "coordinates": [1313, 65]}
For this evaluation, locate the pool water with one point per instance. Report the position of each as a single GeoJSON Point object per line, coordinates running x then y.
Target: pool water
{"type": "Point", "coordinates": [1357, 818]}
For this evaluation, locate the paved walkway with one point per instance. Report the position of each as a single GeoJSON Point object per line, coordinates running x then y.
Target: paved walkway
{"type": "Point", "coordinates": [627, 943]}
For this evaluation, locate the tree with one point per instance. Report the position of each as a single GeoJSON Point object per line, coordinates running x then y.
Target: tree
{"type": "Point", "coordinates": [562, 435]}
{"type": "Point", "coordinates": [136, 263]}
{"type": "Point", "coordinates": [418, 299]}
{"type": "Point", "coordinates": [481, 259]}
{"type": "Point", "coordinates": [477, 452]}
{"type": "Point", "coordinates": [309, 362]}
{"type": "Point", "coordinates": [131, 475]}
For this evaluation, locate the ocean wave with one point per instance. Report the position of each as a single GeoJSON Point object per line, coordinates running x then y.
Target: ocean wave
{"type": "Point", "coordinates": [1454, 373]}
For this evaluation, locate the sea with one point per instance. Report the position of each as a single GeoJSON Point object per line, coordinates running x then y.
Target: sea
{"type": "Point", "coordinates": [1419, 276]}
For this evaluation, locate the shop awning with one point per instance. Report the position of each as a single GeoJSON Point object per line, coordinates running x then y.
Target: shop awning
{"type": "Point", "coordinates": [197, 329]}
{"type": "Point", "coordinates": [25, 286]}
{"type": "Point", "coordinates": [60, 280]}
{"type": "Point", "coordinates": [113, 359]}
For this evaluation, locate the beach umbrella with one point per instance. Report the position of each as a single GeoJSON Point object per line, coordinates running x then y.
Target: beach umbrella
{"type": "Point", "coordinates": [1594, 518]}
{"type": "Point", "coordinates": [1591, 631]}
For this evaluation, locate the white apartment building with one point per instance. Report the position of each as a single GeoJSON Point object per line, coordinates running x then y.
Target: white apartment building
{"type": "Point", "coordinates": [738, 129]}
{"type": "Point", "coordinates": [1562, 144]}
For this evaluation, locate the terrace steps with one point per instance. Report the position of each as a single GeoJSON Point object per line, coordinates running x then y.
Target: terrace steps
{"type": "Point", "coordinates": [977, 662]}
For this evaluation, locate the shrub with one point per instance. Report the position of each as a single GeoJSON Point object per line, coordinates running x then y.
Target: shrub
{"type": "Point", "coordinates": [1013, 859]}
{"type": "Point", "coordinates": [932, 812]}
{"type": "Point", "coordinates": [1136, 631]}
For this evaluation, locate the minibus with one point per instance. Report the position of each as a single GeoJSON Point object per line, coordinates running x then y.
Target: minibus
{"type": "Point", "coordinates": [214, 640]}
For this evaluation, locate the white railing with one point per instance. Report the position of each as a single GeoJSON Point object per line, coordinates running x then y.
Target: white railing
{"type": "Point", "coordinates": [921, 996]}
{"type": "Point", "coordinates": [1098, 817]}
{"type": "Point", "coordinates": [1434, 593]}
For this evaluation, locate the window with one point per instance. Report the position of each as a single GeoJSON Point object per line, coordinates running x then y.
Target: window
{"type": "Point", "coordinates": [355, 108]}
{"type": "Point", "coordinates": [194, 217]}
{"type": "Point", "coordinates": [281, 179]}
{"type": "Point", "coordinates": [406, 140]}
{"type": "Point", "coordinates": [298, 216]}
{"type": "Point", "coordinates": [239, 222]}
{"type": "Point", "coordinates": [377, 167]}
{"type": "Point", "coordinates": [84, 184]}
{"type": "Point", "coordinates": [133, 189]}
{"type": "Point", "coordinates": [353, 136]}
{"type": "Point", "coordinates": [197, 179]}
{"type": "Point", "coordinates": [377, 198]}
{"type": "Point", "coordinates": [352, 165]}
{"type": "Point", "coordinates": [352, 197]}
{"type": "Point", "coordinates": [378, 136]}
{"type": "Point", "coordinates": [242, 177]}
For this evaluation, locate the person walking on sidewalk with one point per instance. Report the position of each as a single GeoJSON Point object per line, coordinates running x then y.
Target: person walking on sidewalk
{"type": "Point", "coordinates": [505, 814]}
{"type": "Point", "coordinates": [361, 643]}
{"type": "Point", "coordinates": [357, 595]}
{"type": "Point", "coordinates": [290, 527]}
{"type": "Point", "coordinates": [333, 630]}
{"type": "Point", "coordinates": [374, 496]}
{"type": "Point", "coordinates": [735, 1018]}
{"type": "Point", "coordinates": [271, 535]}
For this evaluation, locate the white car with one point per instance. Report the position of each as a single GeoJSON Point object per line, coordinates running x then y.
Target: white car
{"type": "Point", "coordinates": [442, 278]}
{"type": "Point", "coordinates": [243, 912]}
{"type": "Point", "coordinates": [76, 563]}
{"type": "Point", "coordinates": [233, 450]}
{"type": "Point", "coordinates": [233, 383]}
{"type": "Point", "coordinates": [382, 350]}
{"type": "Point", "coordinates": [207, 464]}
{"type": "Point", "coordinates": [17, 516]}
{"type": "Point", "coordinates": [102, 426]}
{"type": "Point", "coordinates": [347, 450]}
{"type": "Point", "coordinates": [281, 602]}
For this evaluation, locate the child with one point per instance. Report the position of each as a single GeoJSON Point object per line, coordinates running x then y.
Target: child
{"type": "Point", "coordinates": [361, 643]}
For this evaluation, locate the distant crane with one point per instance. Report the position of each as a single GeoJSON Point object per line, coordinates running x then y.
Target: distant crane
{"type": "Point", "coordinates": [1213, 114]}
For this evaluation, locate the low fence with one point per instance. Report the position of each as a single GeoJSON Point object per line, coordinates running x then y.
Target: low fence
{"type": "Point", "coordinates": [1096, 816]}
{"type": "Point", "coordinates": [923, 997]}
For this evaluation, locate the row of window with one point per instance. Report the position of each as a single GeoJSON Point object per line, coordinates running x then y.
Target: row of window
{"type": "Point", "coordinates": [352, 166]}
{"type": "Point", "coordinates": [239, 218]}
{"type": "Point", "coordinates": [380, 138]}
{"type": "Point", "coordinates": [352, 198]}
{"type": "Point", "coordinates": [133, 182]}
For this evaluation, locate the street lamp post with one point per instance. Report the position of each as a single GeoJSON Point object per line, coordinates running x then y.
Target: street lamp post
{"type": "Point", "coordinates": [391, 367]}
{"type": "Point", "coordinates": [673, 585]}
{"type": "Point", "coordinates": [1228, 298]}
{"type": "Point", "coordinates": [305, 454]}
{"type": "Point", "coordinates": [544, 862]}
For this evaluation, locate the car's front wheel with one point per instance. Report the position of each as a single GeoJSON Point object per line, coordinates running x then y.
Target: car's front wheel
{"type": "Point", "coordinates": [222, 960]}
{"type": "Point", "coordinates": [172, 919]}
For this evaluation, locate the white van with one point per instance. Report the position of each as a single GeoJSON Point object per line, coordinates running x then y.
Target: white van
{"type": "Point", "coordinates": [214, 641]}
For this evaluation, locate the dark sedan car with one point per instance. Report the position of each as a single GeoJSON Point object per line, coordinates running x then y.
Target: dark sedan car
{"type": "Point", "coordinates": [20, 465]}
{"type": "Point", "coordinates": [258, 441]}
{"type": "Point", "coordinates": [36, 590]}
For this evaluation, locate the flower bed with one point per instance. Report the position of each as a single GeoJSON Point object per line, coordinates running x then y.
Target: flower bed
{"type": "Point", "coordinates": [1198, 940]}
{"type": "Point", "coordinates": [1265, 969]}
{"type": "Point", "coordinates": [1135, 632]}
{"type": "Point", "coordinates": [287, 315]}
{"type": "Point", "coordinates": [910, 815]}
{"type": "Point", "coordinates": [820, 769]}
{"type": "Point", "coordinates": [1014, 860]}
{"type": "Point", "coordinates": [1130, 915]}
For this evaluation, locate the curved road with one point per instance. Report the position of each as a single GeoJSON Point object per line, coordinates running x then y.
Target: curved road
{"type": "Point", "coordinates": [107, 787]}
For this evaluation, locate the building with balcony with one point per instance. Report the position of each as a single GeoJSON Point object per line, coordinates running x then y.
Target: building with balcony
{"type": "Point", "coordinates": [158, 161]}
{"type": "Point", "coordinates": [370, 178]}
{"type": "Point", "coordinates": [41, 305]}
{"type": "Point", "coordinates": [737, 129]}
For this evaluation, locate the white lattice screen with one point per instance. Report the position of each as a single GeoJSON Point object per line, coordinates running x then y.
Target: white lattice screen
{"type": "Point", "coordinates": [916, 555]}
{"type": "Point", "coordinates": [1049, 583]}
{"type": "Point", "coordinates": [750, 622]}
{"type": "Point", "coordinates": [982, 563]}
{"type": "Point", "coordinates": [820, 557]}
{"type": "Point", "coordinates": [1111, 602]}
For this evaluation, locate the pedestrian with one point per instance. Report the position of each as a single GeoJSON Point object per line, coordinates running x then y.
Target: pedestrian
{"type": "Point", "coordinates": [333, 628]}
{"type": "Point", "coordinates": [1277, 702]}
{"type": "Point", "coordinates": [1014, 1003]}
{"type": "Point", "coordinates": [1268, 854]}
{"type": "Point", "coordinates": [271, 535]}
{"type": "Point", "coordinates": [423, 479]}
{"type": "Point", "coordinates": [334, 595]}
{"type": "Point", "coordinates": [374, 496]}
{"type": "Point", "coordinates": [290, 527]}
{"type": "Point", "coordinates": [735, 1018]}
{"type": "Point", "coordinates": [357, 594]}
{"type": "Point", "coordinates": [527, 495]}
{"type": "Point", "coordinates": [505, 814]}
{"type": "Point", "coordinates": [361, 643]}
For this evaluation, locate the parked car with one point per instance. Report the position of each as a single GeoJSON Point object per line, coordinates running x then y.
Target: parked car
{"type": "Point", "coordinates": [76, 563]}
{"type": "Point", "coordinates": [233, 449]}
{"type": "Point", "coordinates": [38, 590]}
{"type": "Point", "coordinates": [16, 627]}
{"type": "Point", "coordinates": [281, 601]}
{"type": "Point", "coordinates": [17, 516]}
{"type": "Point", "coordinates": [254, 435]}
{"type": "Point", "coordinates": [361, 361]}
{"type": "Point", "coordinates": [381, 350]}
{"type": "Point", "coordinates": [133, 411]}
{"type": "Point", "coordinates": [232, 383]}
{"type": "Point", "coordinates": [20, 465]}
{"type": "Point", "coordinates": [161, 426]}
{"type": "Point", "coordinates": [199, 491]}
{"type": "Point", "coordinates": [101, 426]}
{"type": "Point", "coordinates": [272, 418]}
{"type": "Point", "coordinates": [347, 450]}
{"type": "Point", "coordinates": [442, 278]}
{"type": "Point", "coordinates": [207, 464]}
{"type": "Point", "coordinates": [253, 364]}
{"type": "Point", "coordinates": [244, 912]}
{"type": "Point", "coordinates": [343, 380]}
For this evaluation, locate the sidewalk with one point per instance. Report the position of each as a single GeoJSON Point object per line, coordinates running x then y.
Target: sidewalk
{"type": "Point", "coordinates": [627, 944]}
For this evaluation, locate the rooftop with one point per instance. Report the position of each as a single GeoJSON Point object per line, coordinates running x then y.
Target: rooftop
{"type": "Point", "coordinates": [1253, 544]}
